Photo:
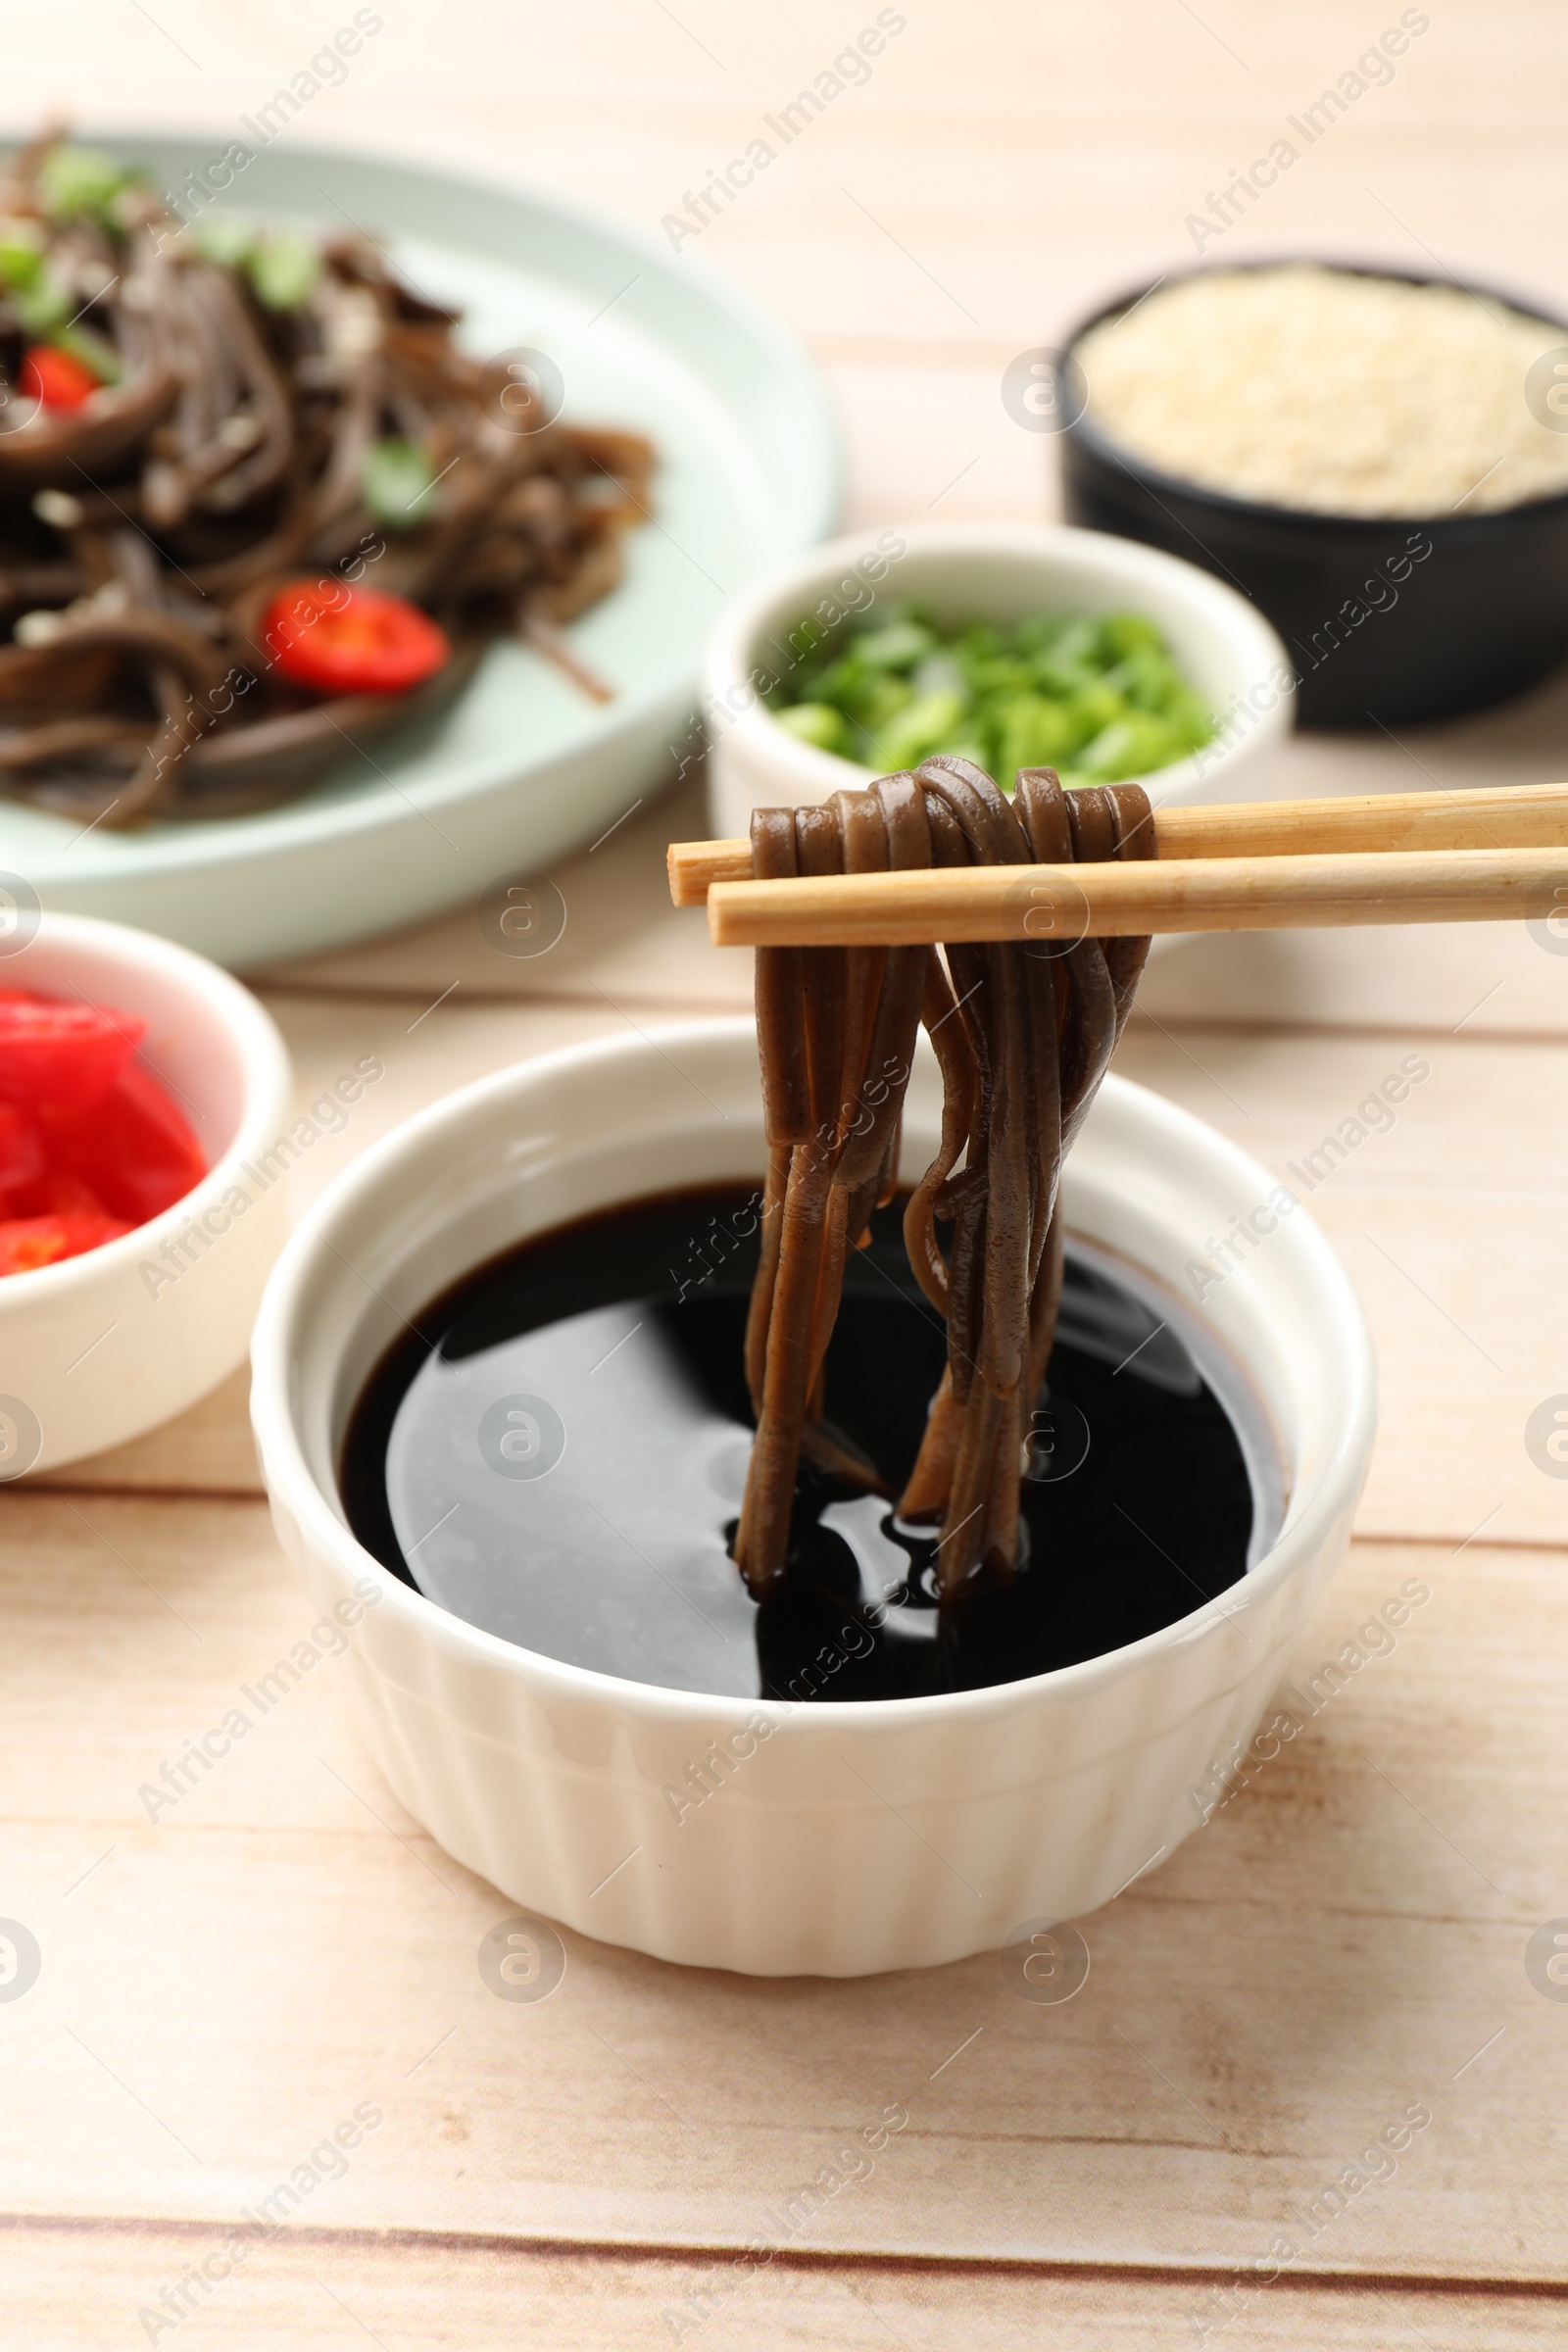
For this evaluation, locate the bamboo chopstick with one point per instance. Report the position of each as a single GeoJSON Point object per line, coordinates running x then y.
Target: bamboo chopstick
{"type": "Point", "coordinates": [1060, 905]}
{"type": "Point", "coordinates": [1514, 816]}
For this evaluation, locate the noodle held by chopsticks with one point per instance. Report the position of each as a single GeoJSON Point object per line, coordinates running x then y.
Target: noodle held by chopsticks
{"type": "Point", "coordinates": [1022, 1036]}
{"type": "Point", "coordinates": [196, 421]}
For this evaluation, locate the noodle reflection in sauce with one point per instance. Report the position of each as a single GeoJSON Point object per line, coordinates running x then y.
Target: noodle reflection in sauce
{"type": "Point", "coordinates": [1022, 1035]}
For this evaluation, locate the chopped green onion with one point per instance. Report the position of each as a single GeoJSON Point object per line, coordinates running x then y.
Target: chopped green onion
{"type": "Point", "coordinates": [817, 724]}
{"type": "Point", "coordinates": [1097, 698]}
{"type": "Point", "coordinates": [1134, 744]}
{"type": "Point", "coordinates": [43, 308]}
{"type": "Point", "coordinates": [898, 645]}
{"type": "Point", "coordinates": [21, 253]}
{"type": "Point", "coordinates": [283, 267]}
{"type": "Point", "coordinates": [77, 182]}
{"type": "Point", "coordinates": [921, 728]}
{"type": "Point", "coordinates": [1035, 731]}
{"type": "Point", "coordinates": [223, 237]}
{"type": "Point", "coordinates": [397, 484]}
{"type": "Point", "coordinates": [1123, 633]}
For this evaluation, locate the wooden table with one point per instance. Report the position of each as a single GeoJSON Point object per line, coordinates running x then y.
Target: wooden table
{"type": "Point", "coordinates": [1347, 1938]}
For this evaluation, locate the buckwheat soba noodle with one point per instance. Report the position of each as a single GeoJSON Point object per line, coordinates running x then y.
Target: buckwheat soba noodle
{"type": "Point", "coordinates": [952, 1402]}
{"type": "Point", "coordinates": [1022, 1036]}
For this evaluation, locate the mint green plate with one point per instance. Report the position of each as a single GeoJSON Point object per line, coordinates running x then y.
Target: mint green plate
{"type": "Point", "coordinates": [523, 768]}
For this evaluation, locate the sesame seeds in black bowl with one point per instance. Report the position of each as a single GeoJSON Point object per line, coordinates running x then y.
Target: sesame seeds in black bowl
{"type": "Point", "coordinates": [1379, 461]}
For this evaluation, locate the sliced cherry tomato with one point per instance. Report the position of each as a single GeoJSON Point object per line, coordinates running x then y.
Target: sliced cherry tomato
{"type": "Point", "coordinates": [27, 1243]}
{"type": "Point", "coordinates": [134, 1147]}
{"type": "Point", "coordinates": [56, 378]}
{"type": "Point", "coordinates": [21, 1148]}
{"type": "Point", "coordinates": [61, 1053]}
{"type": "Point", "coordinates": [343, 640]}
{"type": "Point", "coordinates": [57, 1192]}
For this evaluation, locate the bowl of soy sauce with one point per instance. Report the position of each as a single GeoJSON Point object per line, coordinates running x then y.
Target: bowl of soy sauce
{"type": "Point", "coordinates": [500, 1405]}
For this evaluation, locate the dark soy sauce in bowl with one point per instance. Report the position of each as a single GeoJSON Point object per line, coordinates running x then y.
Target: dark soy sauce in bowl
{"type": "Point", "coordinates": [558, 1454]}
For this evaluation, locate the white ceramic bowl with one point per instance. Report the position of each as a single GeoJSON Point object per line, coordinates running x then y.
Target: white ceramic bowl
{"type": "Point", "coordinates": [986, 572]}
{"type": "Point", "coordinates": [102, 1347]}
{"type": "Point", "coordinates": [850, 1838]}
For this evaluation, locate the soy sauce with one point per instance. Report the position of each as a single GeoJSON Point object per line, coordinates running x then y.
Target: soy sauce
{"type": "Point", "coordinates": [557, 1454]}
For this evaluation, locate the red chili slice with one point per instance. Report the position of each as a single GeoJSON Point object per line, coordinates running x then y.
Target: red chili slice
{"type": "Point", "coordinates": [61, 1053]}
{"type": "Point", "coordinates": [135, 1147]}
{"type": "Point", "coordinates": [27, 1243]}
{"type": "Point", "coordinates": [343, 640]}
{"type": "Point", "coordinates": [56, 378]}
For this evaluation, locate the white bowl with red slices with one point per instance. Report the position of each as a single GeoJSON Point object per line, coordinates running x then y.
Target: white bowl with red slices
{"type": "Point", "coordinates": [141, 1090]}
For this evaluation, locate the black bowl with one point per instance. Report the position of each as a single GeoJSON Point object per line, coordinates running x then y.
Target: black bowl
{"type": "Point", "coordinates": [1386, 620]}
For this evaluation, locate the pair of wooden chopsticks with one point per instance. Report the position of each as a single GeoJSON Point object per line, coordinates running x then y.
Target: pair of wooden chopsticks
{"type": "Point", "coordinates": [1407, 858]}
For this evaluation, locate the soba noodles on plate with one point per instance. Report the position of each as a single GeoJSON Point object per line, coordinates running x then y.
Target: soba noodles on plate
{"type": "Point", "coordinates": [1023, 1035]}
{"type": "Point", "coordinates": [257, 506]}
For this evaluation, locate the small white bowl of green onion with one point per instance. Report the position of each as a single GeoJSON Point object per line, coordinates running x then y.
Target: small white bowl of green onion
{"type": "Point", "coordinates": [1012, 645]}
